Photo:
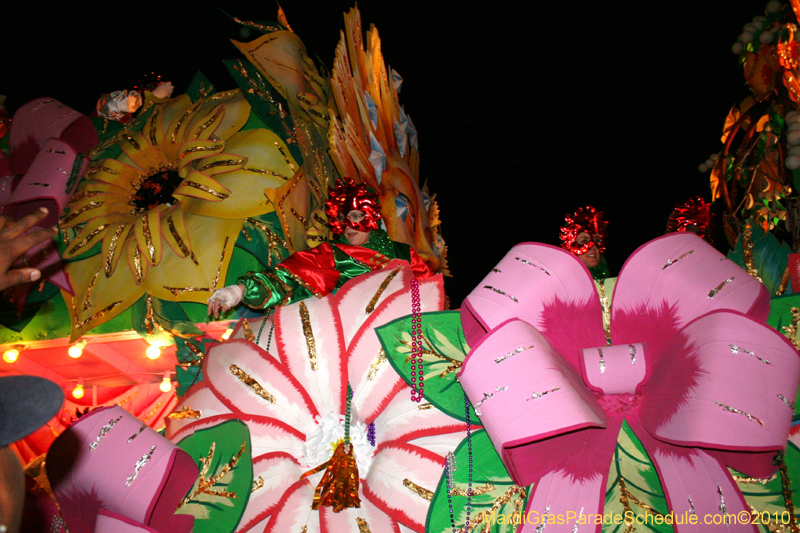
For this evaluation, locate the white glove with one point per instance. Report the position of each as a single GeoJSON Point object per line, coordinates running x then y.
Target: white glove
{"type": "Point", "coordinates": [225, 298]}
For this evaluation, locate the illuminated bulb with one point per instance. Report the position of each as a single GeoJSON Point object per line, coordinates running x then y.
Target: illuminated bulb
{"type": "Point", "coordinates": [227, 334]}
{"type": "Point", "coordinates": [77, 392]}
{"type": "Point", "coordinates": [166, 384]}
{"type": "Point", "coordinates": [11, 355]}
{"type": "Point", "coordinates": [153, 352]}
{"type": "Point", "coordinates": [76, 350]}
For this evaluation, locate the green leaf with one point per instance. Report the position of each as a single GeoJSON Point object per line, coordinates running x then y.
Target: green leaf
{"type": "Point", "coordinates": [190, 354]}
{"type": "Point", "coordinates": [262, 237]}
{"type": "Point", "coordinates": [200, 87]}
{"type": "Point", "coordinates": [770, 256]}
{"type": "Point", "coordinates": [444, 349]}
{"type": "Point", "coordinates": [780, 316]}
{"type": "Point", "coordinates": [160, 320]}
{"type": "Point", "coordinates": [492, 488]}
{"type": "Point", "coordinates": [223, 455]}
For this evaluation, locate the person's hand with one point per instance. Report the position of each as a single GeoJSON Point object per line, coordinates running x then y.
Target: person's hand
{"type": "Point", "coordinates": [14, 242]}
{"type": "Point", "coordinates": [224, 298]}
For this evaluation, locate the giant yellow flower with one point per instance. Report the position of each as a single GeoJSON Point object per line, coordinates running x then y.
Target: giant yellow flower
{"type": "Point", "coordinates": [169, 209]}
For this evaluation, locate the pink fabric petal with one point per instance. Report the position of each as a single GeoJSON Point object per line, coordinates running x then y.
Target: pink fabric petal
{"type": "Point", "coordinates": [308, 336]}
{"type": "Point", "coordinates": [372, 395]}
{"type": "Point", "coordinates": [524, 392]}
{"type": "Point", "coordinates": [350, 520]}
{"type": "Point", "coordinates": [294, 511]}
{"type": "Point", "coordinates": [278, 471]}
{"type": "Point", "coordinates": [256, 327]}
{"type": "Point", "coordinates": [685, 277]}
{"type": "Point", "coordinates": [725, 382]}
{"type": "Point", "coordinates": [404, 420]}
{"type": "Point", "coordinates": [440, 444]}
{"type": "Point", "coordinates": [529, 279]}
{"type": "Point", "coordinates": [285, 399]}
{"type": "Point", "coordinates": [198, 398]}
{"type": "Point", "coordinates": [393, 464]}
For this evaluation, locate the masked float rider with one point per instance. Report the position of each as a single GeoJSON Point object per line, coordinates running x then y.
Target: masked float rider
{"type": "Point", "coordinates": [359, 246]}
{"type": "Point", "coordinates": [584, 234]}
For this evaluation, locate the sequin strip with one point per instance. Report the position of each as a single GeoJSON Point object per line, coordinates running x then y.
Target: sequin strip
{"type": "Point", "coordinates": [112, 249]}
{"type": "Point", "coordinates": [626, 506]}
{"type": "Point", "coordinates": [221, 163]}
{"type": "Point", "coordinates": [209, 122]}
{"type": "Point", "coordinates": [691, 506]}
{"type": "Point", "coordinates": [103, 432]}
{"type": "Point", "coordinates": [673, 261]}
{"type": "Point", "coordinates": [253, 384]}
{"type": "Point", "coordinates": [185, 412]}
{"type": "Point", "coordinates": [183, 118]}
{"type": "Point", "coordinates": [737, 411]}
{"type": "Point", "coordinates": [525, 261]}
{"type": "Point", "coordinates": [87, 302]}
{"type": "Point", "coordinates": [713, 292]}
{"type": "Point", "coordinates": [363, 527]}
{"type": "Point", "coordinates": [196, 149]}
{"type": "Point", "coordinates": [602, 361]}
{"type": "Point", "coordinates": [755, 480]}
{"type": "Point", "coordinates": [722, 507]}
{"type": "Point", "coordinates": [376, 365]}
{"type": "Point", "coordinates": [247, 330]}
{"type": "Point", "coordinates": [384, 284]}
{"type": "Point", "coordinates": [498, 291]}
{"type": "Point", "coordinates": [484, 516]}
{"type": "Point", "coordinates": [141, 428]}
{"type": "Point", "coordinates": [88, 238]}
{"type": "Point", "coordinates": [737, 349]}
{"type": "Point", "coordinates": [785, 400]}
{"type": "Point", "coordinates": [266, 173]}
{"type": "Point", "coordinates": [75, 214]}
{"type": "Point", "coordinates": [540, 394]}
{"type": "Point", "coordinates": [632, 350]}
{"type": "Point", "coordinates": [512, 354]}
{"type": "Point", "coordinates": [627, 494]}
{"type": "Point", "coordinates": [153, 126]}
{"type": "Point", "coordinates": [204, 188]}
{"type": "Point", "coordinates": [77, 324]}
{"type": "Point", "coordinates": [285, 158]}
{"type": "Point", "coordinates": [148, 239]}
{"type": "Point", "coordinates": [541, 526]}
{"type": "Point", "coordinates": [139, 464]}
{"type": "Point", "coordinates": [486, 396]}
{"type": "Point", "coordinates": [606, 310]}
{"type": "Point", "coordinates": [425, 407]}
{"type": "Point", "coordinates": [422, 492]}
{"type": "Point", "coordinates": [257, 484]}
{"type": "Point", "coordinates": [153, 411]}
{"type": "Point", "coordinates": [129, 138]}
{"type": "Point", "coordinates": [181, 245]}
{"type": "Point", "coordinates": [305, 319]}
{"type": "Point", "coordinates": [476, 491]}
{"type": "Point", "coordinates": [73, 175]}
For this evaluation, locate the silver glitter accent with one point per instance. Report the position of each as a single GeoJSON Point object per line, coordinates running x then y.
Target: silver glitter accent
{"type": "Point", "coordinates": [452, 464]}
{"type": "Point", "coordinates": [602, 361]}
{"type": "Point", "coordinates": [532, 264]}
{"type": "Point", "coordinates": [498, 291]}
{"type": "Point", "coordinates": [103, 432]}
{"type": "Point", "coordinates": [139, 464]}
{"type": "Point", "coordinates": [141, 428]}
{"type": "Point", "coordinates": [515, 352]}
{"type": "Point", "coordinates": [737, 411]}
{"type": "Point", "coordinates": [722, 507]}
{"type": "Point", "coordinates": [540, 394]}
{"type": "Point", "coordinates": [541, 526]}
{"type": "Point", "coordinates": [632, 350]}
{"type": "Point", "coordinates": [673, 261]}
{"type": "Point", "coordinates": [575, 527]}
{"type": "Point", "coordinates": [691, 504]}
{"type": "Point", "coordinates": [486, 396]}
{"type": "Point", "coordinates": [737, 349]}
{"type": "Point", "coordinates": [497, 270]}
{"type": "Point", "coordinates": [786, 401]}
{"type": "Point", "coordinates": [713, 292]}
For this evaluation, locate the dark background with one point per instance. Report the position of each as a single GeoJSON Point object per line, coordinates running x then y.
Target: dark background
{"type": "Point", "coordinates": [525, 110]}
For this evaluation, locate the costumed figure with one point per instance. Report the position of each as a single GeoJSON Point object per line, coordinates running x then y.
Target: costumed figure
{"type": "Point", "coordinates": [694, 215]}
{"type": "Point", "coordinates": [360, 247]}
{"type": "Point", "coordinates": [584, 234]}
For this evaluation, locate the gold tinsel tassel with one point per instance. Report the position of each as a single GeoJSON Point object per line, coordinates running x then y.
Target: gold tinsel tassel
{"type": "Point", "coordinates": [338, 487]}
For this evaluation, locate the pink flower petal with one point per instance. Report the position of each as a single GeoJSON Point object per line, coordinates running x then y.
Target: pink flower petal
{"type": "Point", "coordinates": [350, 520]}
{"type": "Point", "coordinates": [278, 471]}
{"type": "Point", "coordinates": [403, 420]}
{"type": "Point", "coordinates": [294, 511]}
{"type": "Point", "coordinates": [199, 398]}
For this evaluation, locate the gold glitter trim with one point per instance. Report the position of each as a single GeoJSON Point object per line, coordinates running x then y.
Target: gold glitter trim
{"type": "Point", "coordinates": [137, 264]}
{"type": "Point", "coordinates": [375, 366]}
{"type": "Point", "coordinates": [512, 354]}
{"type": "Point", "coordinates": [272, 239]}
{"type": "Point", "coordinates": [148, 239]}
{"type": "Point", "coordinates": [673, 261]}
{"type": "Point", "coordinates": [305, 319]}
{"type": "Point", "coordinates": [498, 291]}
{"type": "Point", "coordinates": [95, 170]}
{"type": "Point", "coordinates": [204, 188]}
{"type": "Point", "coordinates": [208, 123]}
{"type": "Point", "coordinates": [75, 214]}
{"type": "Point", "coordinates": [185, 412]}
{"type": "Point", "coordinates": [730, 409]}
{"type": "Point", "coordinates": [285, 157]}
{"type": "Point", "coordinates": [221, 163]}
{"type": "Point", "coordinates": [790, 331]}
{"type": "Point", "coordinates": [606, 305]}
{"type": "Point", "coordinates": [526, 262]}
{"type": "Point", "coordinates": [713, 292]}
{"type": "Point", "coordinates": [111, 249]}
{"type": "Point", "coordinates": [153, 411]}
{"type": "Point", "coordinates": [625, 496]}
{"type": "Point", "coordinates": [78, 324]}
{"type": "Point", "coordinates": [153, 123]}
{"type": "Point", "coordinates": [484, 516]}
{"type": "Point", "coordinates": [754, 480]}
{"type": "Point", "coordinates": [267, 173]}
{"type": "Point", "coordinates": [384, 284]}
{"type": "Point", "coordinates": [196, 149]}
{"type": "Point", "coordinates": [257, 484]}
{"type": "Point", "coordinates": [205, 482]}
{"type": "Point", "coordinates": [180, 290]}
{"type": "Point", "coordinates": [87, 302]}
{"type": "Point", "coordinates": [299, 217]}
{"type": "Point", "coordinates": [88, 238]}
{"type": "Point", "coordinates": [247, 331]}
{"type": "Point", "coordinates": [181, 245]}
{"type": "Point", "coordinates": [129, 138]}
{"type": "Point", "coordinates": [363, 527]}
{"type": "Point", "coordinates": [425, 406]}
{"type": "Point", "coordinates": [420, 491]}
{"type": "Point", "coordinates": [747, 251]}
{"type": "Point", "coordinates": [287, 290]}
{"type": "Point", "coordinates": [477, 491]}
{"type": "Point", "coordinates": [183, 118]}
{"type": "Point", "coordinates": [139, 464]}
{"type": "Point", "coordinates": [253, 384]}
{"type": "Point", "coordinates": [259, 27]}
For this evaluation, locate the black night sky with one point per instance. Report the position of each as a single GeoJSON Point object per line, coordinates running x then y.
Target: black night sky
{"type": "Point", "coordinates": [525, 111]}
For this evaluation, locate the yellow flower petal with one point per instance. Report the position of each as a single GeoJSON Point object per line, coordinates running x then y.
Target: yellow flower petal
{"type": "Point", "coordinates": [137, 260]}
{"type": "Point", "coordinates": [193, 150]}
{"type": "Point", "coordinates": [178, 117]}
{"type": "Point", "coordinates": [138, 148]}
{"type": "Point", "coordinates": [114, 243]}
{"type": "Point", "coordinates": [93, 207]}
{"type": "Point", "coordinates": [154, 127]}
{"type": "Point", "coordinates": [173, 228]}
{"type": "Point", "coordinates": [91, 233]}
{"type": "Point", "coordinates": [279, 57]}
{"type": "Point", "coordinates": [148, 235]}
{"type": "Point", "coordinates": [237, 112]}
{"type": "Point", "coordinates": [116, 173]}
{"type": "Point", "coordinates": [199, 185]}
{"type": "Point", "coordinates": [180, 279]}
{"type": "Point", "coordinates": [205, 123]}
{"type": "Point", "coordinates": [221, 164]}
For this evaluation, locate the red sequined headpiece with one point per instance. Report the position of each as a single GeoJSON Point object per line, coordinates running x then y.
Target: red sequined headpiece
{"type": "Point", "coordinates": [584, 220]}
{"type": "Point", "coordinates": [348, 196]}
{"type": "Point", "coordinates": [693, 215]}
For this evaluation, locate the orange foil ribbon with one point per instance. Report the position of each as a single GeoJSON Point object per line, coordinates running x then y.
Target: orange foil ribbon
{"type": "Point", "coordinates": [338, 487]}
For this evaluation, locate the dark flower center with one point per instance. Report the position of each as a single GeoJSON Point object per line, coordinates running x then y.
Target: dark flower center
{"type": "Point", "coordinates": [156, 189]}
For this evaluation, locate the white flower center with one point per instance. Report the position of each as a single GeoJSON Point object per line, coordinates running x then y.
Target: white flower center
{"type": "Point", "coordinates": [320, 443]}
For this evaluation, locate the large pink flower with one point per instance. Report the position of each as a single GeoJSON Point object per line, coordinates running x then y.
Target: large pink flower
{"type": "Point", "coordinates": [293, 400]}
{"type": "Point", "coordinates": [688, 362]}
